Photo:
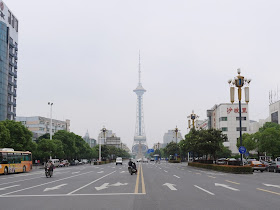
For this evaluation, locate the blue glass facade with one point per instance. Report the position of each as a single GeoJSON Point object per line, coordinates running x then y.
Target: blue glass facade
{"type": "Point", "coordinates": [4, 75]}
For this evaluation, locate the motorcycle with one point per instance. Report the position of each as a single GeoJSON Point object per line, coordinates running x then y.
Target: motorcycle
{"type": "Point", "coordinates": [48, 172]}
{"type": "Point", "coordinates": [132, 170]}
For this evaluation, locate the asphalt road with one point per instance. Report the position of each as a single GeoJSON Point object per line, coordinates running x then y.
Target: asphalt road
{"type": "Point", "coordinates": [156, 186]}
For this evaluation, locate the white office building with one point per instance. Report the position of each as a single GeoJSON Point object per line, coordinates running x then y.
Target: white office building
{"type": "Point", "coordinates": [171, 136]}
{"type": "Point", "coordinates": [226, 118]}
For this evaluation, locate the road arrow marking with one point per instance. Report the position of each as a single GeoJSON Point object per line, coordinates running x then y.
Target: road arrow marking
{"type": "Point", "coordinates": [54, 188]}
{"type": "Point", "coordinates": [226, 186]}
{"type": "Point", "coordinates": [100, 172]}
{"type": "Point", "coordinates": [118, 184]}
{"type": "Point", "coordinates": [177, 176]}
{"type": "Point", "coordinates": [76, 172]}
{"type": "Point", "coordinates": [106, 185]}
{"type": "Point", "coordinates": [171, 186]}
{"type": "Point", "coordinates": [102, 187]}
{"type": "Point", "coordinates": [4, 188]}
{"type": "Point", "coordinates": [271, 185]}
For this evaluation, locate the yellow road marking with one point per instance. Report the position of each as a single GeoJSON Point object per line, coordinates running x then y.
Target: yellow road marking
{"type": "Point", "coordinates": [268, 191]}
{"type": "Point", "coordinates": [212, 177]}
{"type": "Point", "coordinates": [232, 182]}
{"type": "Point", "coordinates": [143, 183]}
{"type": "Point", "coordinates": [137, 181]}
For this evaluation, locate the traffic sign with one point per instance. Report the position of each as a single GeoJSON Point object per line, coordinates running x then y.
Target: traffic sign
{"type": "Point", "coordinates": [176, 154]}
{"type": "Point", "coordinates": [150, 151]}
{"type": "Point", "coordinates": [242, 150]}
{"type": "Point", "coordinates": [247, 154]}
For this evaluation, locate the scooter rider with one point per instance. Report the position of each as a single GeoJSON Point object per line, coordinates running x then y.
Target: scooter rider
{"type": "Point", "coordinates": [49, 165]}
{"type": "Point", "coordinates": [132, 165]}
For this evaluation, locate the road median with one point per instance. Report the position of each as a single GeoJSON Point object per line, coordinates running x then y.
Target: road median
{"type": "Point", "coordinates": [224, 168]}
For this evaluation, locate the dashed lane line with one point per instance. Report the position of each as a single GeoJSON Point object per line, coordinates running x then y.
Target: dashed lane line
{"type": "Point", "coordinates": [276, 193]}
{"type": "Point", "coordinates": [204, 190]}
{"type": "Point", "coordinates": [45, 183]}
{"type": "Point", "coordinates": [177, 176]}
{"type": "Point", "coordinates": [212, 177]}
{"type": "Point", "coordinates": [232, 182]}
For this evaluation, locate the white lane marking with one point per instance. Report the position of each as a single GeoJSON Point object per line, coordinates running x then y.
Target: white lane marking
{"type": "Point", "coordinates": [54, 188]}
{"type": "Point", "coordinates": [122, 172]}
{"type": "Point", "coordinates": [90, 183]}
{"type": "Point", "coordinates": [4, 188]}
{"type": "Point", "coordinates": [100, 172]}
{"type": "Point", "coordinates": [45, 183]}
{"type": "Point", "coordinates": [76, 172]}
{"type": "Point", "coordinates": [165, 171]}
{"type": "Point", "coordinates": [171, 186]}
{"type": "Point", "coordinates": [27, 179]}
{"type": "Point", "coordinates": [204, 190]}
{"type": "Point", "coordinates": [271, 185]}
{"type": "Point", "coordinates": [177, 176]}
{"type": "Point", "coordinates": [226, 186]}
{"type": "Point", "coordinates": [212, 177]}
{"type": "Point", "coordinates": [65, 195]}
{"type": "Point", "coordinates": [189, 171]}
{"type": "Point", "coordinates": [182, 169]}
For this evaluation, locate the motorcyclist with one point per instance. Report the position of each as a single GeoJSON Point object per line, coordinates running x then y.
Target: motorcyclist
{"type": "Point", "coordinates": [132, 165]}
{"type": "Point", "coordinates": [49, 165]}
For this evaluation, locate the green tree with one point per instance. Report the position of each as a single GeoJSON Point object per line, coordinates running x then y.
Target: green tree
{"type": "Point", "coordinates": [248, 141]}
{"type": "Point", "coordinates": [270, 141]}
{"type": "Point", "coordinates": [172, 148]}
{"type": "Point", "coordinates": [19, 137]}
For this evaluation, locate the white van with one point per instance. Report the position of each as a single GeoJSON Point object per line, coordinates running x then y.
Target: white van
{"type": "Point", "coordinates": [55, 162]}
{"type": "Point", "coordinates": [119, 160]}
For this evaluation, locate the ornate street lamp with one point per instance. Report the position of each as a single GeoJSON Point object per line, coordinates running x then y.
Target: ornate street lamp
{"type": "Point", "coordinates": [104, 133]}
{"type": "Point", "coordinates": [192, 117]}
{"type": "Point", "coordinates": [239, 82]}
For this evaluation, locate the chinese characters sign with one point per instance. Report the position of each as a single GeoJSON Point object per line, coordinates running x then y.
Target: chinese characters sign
{"type": "Point", "coordinates": [236, 110]}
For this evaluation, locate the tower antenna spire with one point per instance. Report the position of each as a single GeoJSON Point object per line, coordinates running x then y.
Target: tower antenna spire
{"type": "Point", "coordinates": [139, 70]}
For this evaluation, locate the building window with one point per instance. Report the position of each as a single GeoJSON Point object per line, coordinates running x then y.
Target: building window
{"type": "Point", "coordinates": [243, 129]}
{"type": "Point", "coordinates": [23, 122]}
{"type": "Point", "coordinates": [224, 129]}
{"type": "Point", "coordinates": [274, 117]}
{"type": "Point", "coordinates": [223, 119]}
{"type": "Point", "coordinates": [16, 25]}
{"type": "Point", "coordinates": [13, 21]}
{"type": "Point", "coordinates": [9, 18]}
{"type": "Point", "coordinates": [242, 118]}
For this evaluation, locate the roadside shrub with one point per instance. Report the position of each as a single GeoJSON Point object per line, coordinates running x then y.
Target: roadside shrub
{"type": "Point", "coordinates": [174, 161]}
{"type": "Point", "coordinates": [224, 168]}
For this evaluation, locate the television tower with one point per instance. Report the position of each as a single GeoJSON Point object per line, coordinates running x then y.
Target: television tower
{"type": "Point", "coordinates": [140, 144]}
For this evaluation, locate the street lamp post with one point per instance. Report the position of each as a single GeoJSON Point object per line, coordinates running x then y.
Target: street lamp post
{"type": "Point", "coordinates": [238, 82]}
{"type": "Point", "coordinates": [176, 133]}
{"type": "Point", "coordinates": [51, 104]}
{"type": "Point", "coordinates": [192, 117]}
{"type": "Point", "coordinates": [104, 133]}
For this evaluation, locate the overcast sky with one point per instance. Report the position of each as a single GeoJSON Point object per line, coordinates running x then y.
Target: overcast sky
{"type": "Point", "coordinates": [83, 56]}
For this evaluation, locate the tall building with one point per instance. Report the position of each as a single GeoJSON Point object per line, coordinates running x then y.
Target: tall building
{"type": "Point", "coordinates": [91, 142]}
{"type": "Point", "coordinates": [140, 136]}
{"type": "Point", "coordinates": [226, 118]}
{"type": "Point", "coordinates": [41, 125]}
{"type": "Point", "coordinates": [8, 62]}
{"type": "Point", "coordinates": [171, 136]}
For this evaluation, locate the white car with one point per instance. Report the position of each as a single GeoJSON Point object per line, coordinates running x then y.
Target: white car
{"type": "Point", "coordinates": [119, 160]}
{"type": "Point", "coordinates": [145, 160]}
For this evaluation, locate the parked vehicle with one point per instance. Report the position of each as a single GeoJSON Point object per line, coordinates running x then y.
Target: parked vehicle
{"type": "Point", "coordinates": [257, 166]}
{"type": "Point", "coordinates": [66, 163]}
{"type": "Point", "coordinates": [152, 159]}
{"type": "Point", "coordinates": [275, 166]}
{"type": "Point", "coordinates": [84, 161]}
{"type": "Point", "coordinates": [145, 160]}
{"type": "Point", "coordinates": [221, 161]}
{"type": "Point", "coordinates": [119, 160]}
{"type": "Point", "coordinates": [55, 162]}
{"type": "Point", "coordinates": [267, 164]}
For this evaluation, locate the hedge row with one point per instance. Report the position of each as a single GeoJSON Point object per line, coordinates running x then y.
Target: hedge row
{"type": "Point", "coordinates": [224, 168]}
{"type": "Point", "coordinates": [174, 161]}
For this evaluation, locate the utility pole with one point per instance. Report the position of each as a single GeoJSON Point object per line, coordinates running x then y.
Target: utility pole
{"type": "Point", "coordinates": [51, 104]}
